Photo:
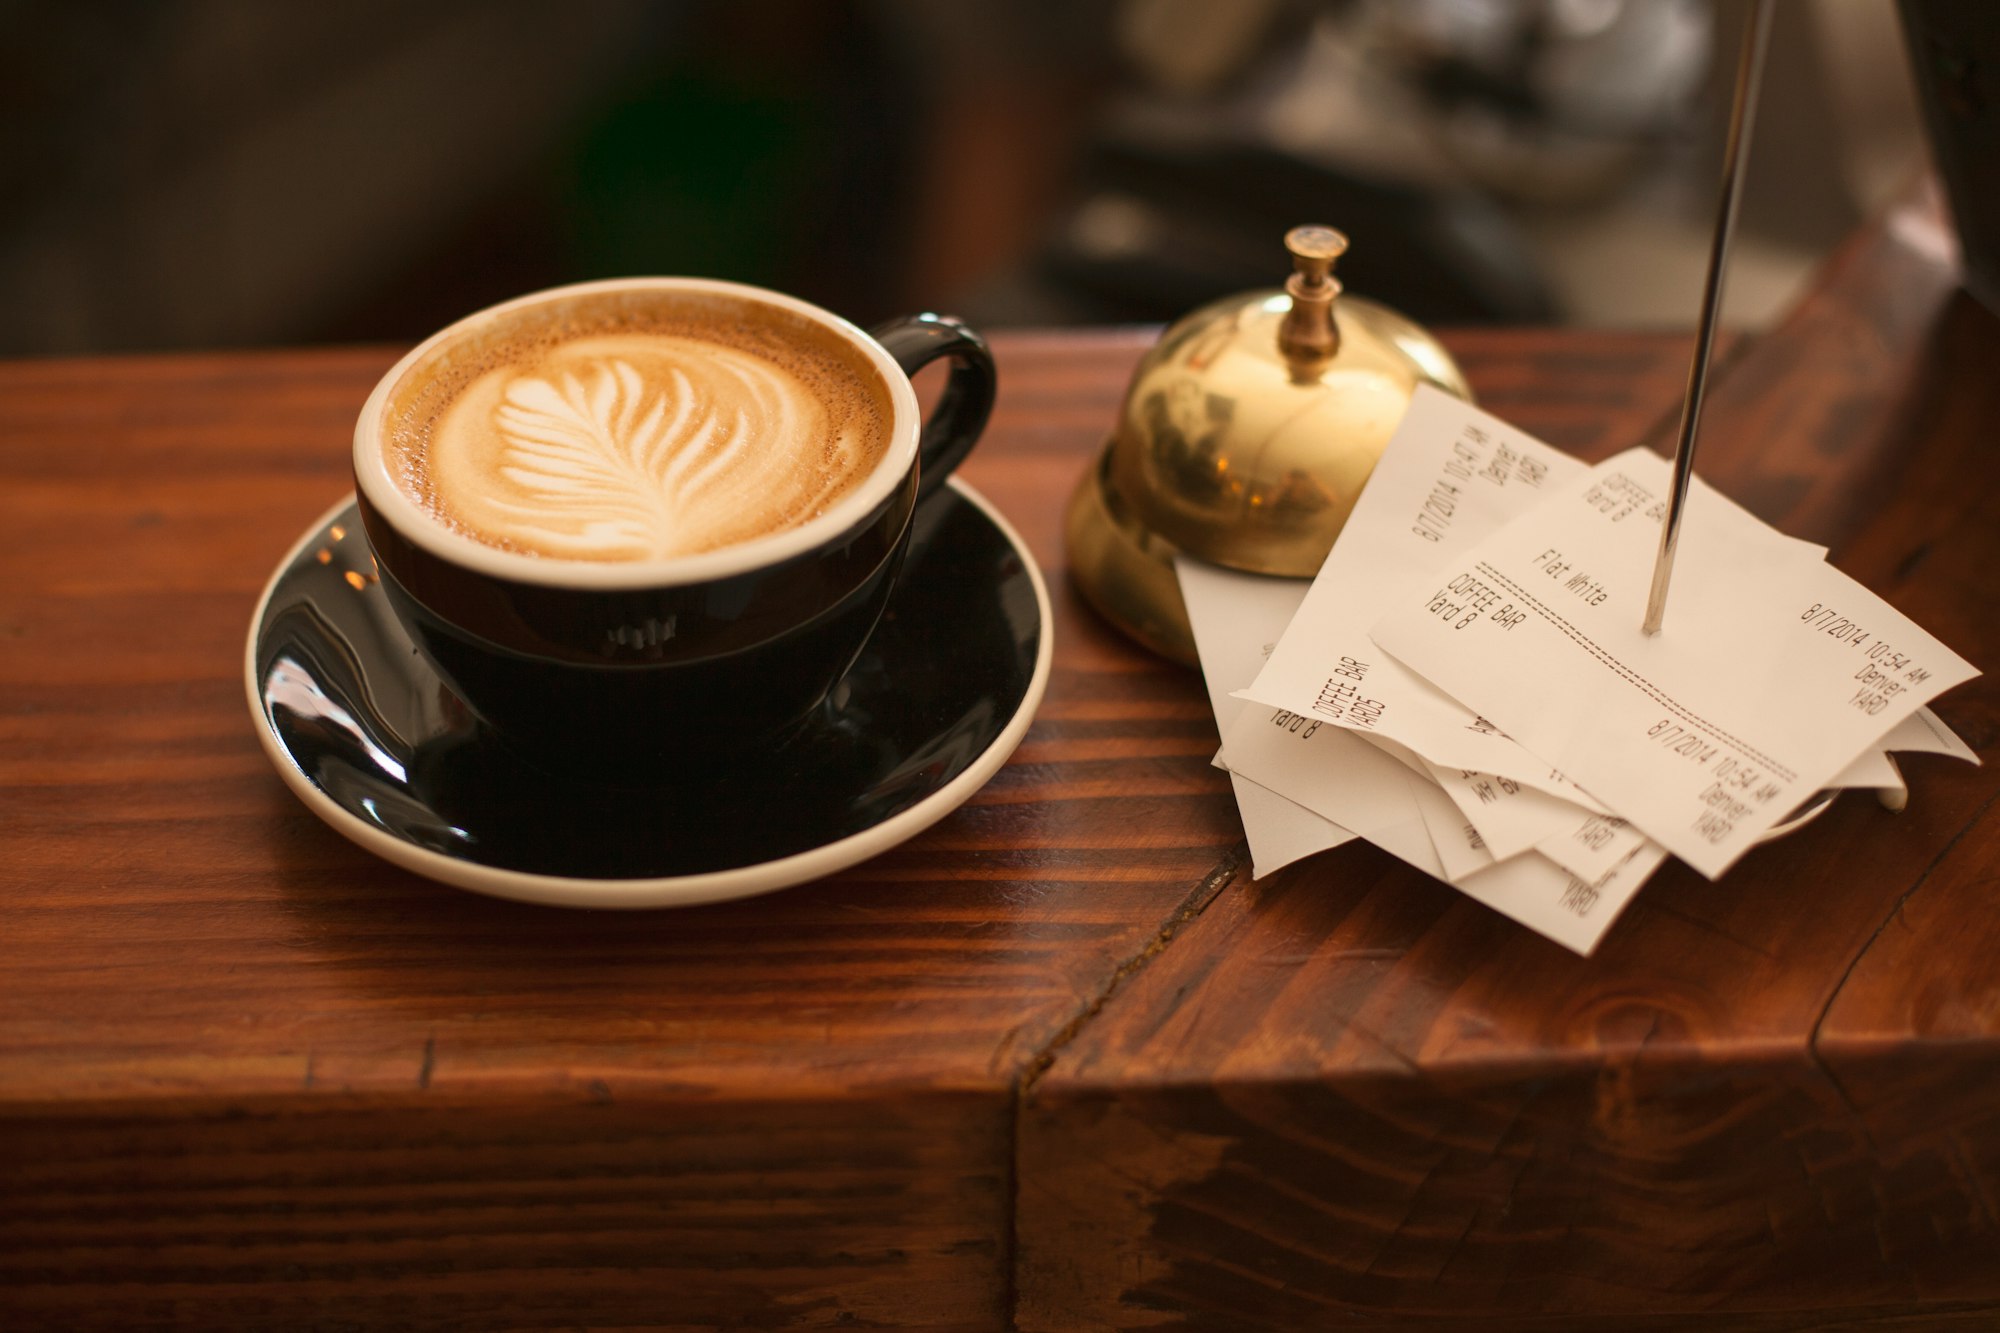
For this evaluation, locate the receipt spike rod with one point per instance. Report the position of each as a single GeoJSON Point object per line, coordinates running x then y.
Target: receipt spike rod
{"type": "Point", "coordinates": [1742, 115]}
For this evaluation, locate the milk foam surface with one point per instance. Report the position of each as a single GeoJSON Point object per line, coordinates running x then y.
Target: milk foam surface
{"type": "Point", "coordinates": [643, 445]}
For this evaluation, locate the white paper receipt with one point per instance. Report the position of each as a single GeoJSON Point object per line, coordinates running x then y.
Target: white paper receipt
{"type": "Point", "coordinates": [1772, 673]}
{"type": "Point", "coordinates": [1451, 475]}
{"type": "Point", "coordinates": [1235, 618]}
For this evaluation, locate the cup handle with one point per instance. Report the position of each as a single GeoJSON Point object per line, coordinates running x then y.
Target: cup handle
{"type": "Point", "coordinates": [960, 415]}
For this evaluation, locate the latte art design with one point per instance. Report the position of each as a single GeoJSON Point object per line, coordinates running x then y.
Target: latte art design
{"type": "Point", "coordinates": [640, 452]}
{"type": "Point", "coordinates": [618, 468]}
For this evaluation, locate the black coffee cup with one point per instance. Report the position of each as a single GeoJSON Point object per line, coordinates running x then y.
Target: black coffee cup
{"type": "Point", "coordinates": [624, 665]}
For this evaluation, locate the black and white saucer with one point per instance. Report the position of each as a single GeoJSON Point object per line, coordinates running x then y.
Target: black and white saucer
{"type": "Point", "coordinates": [368, 737]}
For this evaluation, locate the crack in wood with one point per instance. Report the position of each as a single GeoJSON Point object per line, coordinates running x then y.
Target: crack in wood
{"type": "Point", "coordinates": [1817, 1032]}
{"type": "Point", "coordinates": [1192, 906]}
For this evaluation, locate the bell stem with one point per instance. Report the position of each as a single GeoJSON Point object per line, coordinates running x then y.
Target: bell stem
{"type": "Point", "coordinates": [1308, 336]}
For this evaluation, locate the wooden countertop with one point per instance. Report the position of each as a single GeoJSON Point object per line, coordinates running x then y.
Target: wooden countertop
{"type": "Point", "coordinates": [1056, 1063]}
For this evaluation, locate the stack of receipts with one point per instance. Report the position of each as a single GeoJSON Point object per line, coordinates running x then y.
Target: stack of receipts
{"type": "Point", "coordinates": [1465, 683]}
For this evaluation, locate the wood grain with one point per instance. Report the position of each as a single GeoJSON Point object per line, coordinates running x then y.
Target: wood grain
{"type": "Point", "coordinates": [253, 1078]}
{"type": "Point", "coordinates": [1350, 1097]}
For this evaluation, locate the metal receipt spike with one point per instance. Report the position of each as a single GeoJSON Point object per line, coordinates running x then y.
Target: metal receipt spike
{"type": "Point", "coordinates": [1742, 114]}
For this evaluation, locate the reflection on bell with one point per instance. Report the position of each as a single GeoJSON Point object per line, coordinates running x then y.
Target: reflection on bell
{"type": "Point", "coordinates": [1244, 439]}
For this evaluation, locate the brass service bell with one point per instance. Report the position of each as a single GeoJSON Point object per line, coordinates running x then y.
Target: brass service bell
{"type": "Point", "coordinates": [1244, 439]}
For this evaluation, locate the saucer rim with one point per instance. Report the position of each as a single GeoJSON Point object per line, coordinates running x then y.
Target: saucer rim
{"type": "Point", "coordinates": [708, 886]}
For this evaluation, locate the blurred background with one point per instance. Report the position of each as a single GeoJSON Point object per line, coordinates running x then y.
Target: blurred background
{"type": "Point", "coordinates": [229, 173]}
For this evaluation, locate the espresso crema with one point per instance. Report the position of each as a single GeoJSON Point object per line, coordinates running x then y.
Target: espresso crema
{"type": "Point", "coordinates": [629, 427]}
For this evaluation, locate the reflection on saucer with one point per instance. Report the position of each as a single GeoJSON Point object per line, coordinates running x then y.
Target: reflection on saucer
{"type": "Point", "coordinates": [365, 734]}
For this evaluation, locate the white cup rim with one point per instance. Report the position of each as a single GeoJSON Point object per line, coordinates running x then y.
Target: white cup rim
{"type": "Point", "coordinates": [402, 512]}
